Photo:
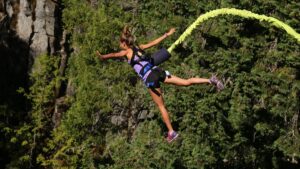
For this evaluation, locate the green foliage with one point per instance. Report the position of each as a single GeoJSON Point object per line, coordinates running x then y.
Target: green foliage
{"type": "Point", "coordinates": [243, 126]}
{"type": "Point", "coordinates": [253, 123]}
{"type": "Point", "coordinates": [27, 138]}
{"type": "Point", "coordinates": [45, 79]}
{"type": "Point", "coordinates": [237, 12]}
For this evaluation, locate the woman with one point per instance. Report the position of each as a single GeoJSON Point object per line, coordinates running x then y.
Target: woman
{"type": "Point", "coordinates": [153, 75]}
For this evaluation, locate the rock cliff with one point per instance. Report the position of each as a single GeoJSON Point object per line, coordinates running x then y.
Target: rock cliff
{"type": "Point", "coordinates": [28, 29]}
{"type": "Point", "coordinates": [36, 22]}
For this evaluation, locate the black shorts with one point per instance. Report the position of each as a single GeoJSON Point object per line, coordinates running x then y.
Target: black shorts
{"type": "Point", "coordinates": [155, 77]}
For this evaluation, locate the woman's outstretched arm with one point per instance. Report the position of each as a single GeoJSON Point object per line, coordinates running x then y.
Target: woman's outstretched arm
{"type": "Point", "coordinates": [111, 55]}
{"type": "Point", "coordinates": [158, 40]}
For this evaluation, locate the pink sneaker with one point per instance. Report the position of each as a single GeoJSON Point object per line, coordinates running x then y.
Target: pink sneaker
{"type": "Point", "coordinates": [172, 136]}
{"type": "Point", "coordinates": [215, 81]}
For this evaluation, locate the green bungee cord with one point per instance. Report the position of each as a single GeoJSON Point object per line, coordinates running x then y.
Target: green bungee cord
{"type": "Point", "coordinates": [237, 12]}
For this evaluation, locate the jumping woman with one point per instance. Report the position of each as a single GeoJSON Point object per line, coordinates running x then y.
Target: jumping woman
{"type": "Point", "coordinates": [152, 75]}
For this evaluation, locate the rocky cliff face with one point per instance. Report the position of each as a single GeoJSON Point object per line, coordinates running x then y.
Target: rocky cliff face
{"type": "Point", "coordinates": [28, 28]}
{"type": "Point", "coordinates": [36, 22]}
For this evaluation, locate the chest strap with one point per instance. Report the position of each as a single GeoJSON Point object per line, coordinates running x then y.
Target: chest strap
{"type": "Point", "coordinates": [145, 69]}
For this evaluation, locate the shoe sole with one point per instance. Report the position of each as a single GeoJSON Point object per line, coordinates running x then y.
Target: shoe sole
{"type": "Point", "coordinates": [173, 138]}
{"type": "Point", "coordinates": [220, 86]}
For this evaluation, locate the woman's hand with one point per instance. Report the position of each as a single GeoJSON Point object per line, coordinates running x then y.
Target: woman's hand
{"type": "Point", "coordinates": [171, 31]}
{"type": "Point", "coordinates": [99, 55]}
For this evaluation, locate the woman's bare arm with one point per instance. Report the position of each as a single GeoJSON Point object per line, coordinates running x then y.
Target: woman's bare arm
{"type": "Point", "coordinates": [158, 40]}
{"type": "Point", "coordinates": [111, 55]}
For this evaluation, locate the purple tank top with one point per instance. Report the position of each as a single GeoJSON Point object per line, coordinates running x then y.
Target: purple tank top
{"type": "Point", "coordinates": [138, 67]}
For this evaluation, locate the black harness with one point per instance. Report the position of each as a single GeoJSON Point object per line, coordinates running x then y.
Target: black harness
{"type": "Point", "coordinates": [142, 56]}
{"type": "Point", "coordinates": [157, 58]}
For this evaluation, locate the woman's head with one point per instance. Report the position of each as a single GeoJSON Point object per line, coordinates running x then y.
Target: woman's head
{"type": "Point", "coordinates": [126, 39]}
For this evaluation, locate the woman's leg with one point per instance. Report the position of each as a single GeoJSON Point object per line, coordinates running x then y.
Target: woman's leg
{"type": "Point", "coordinates": [185, 82]}
{"type": "Point", "coordinates": [158, 99]}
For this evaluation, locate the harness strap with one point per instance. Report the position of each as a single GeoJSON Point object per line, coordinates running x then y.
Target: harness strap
{"type": "Point", "coordinates": [145, 69]}
{"type": "Point", "coordinates": [140, 54]}
{"type": "Point", "coordinates": [150, 85]}
{"type": "Point", "coordinates": [136, 53]}
{"type": "Point", "coordinates": [155, 91]}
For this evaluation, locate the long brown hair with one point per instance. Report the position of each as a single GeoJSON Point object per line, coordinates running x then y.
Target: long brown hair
{"type": "Point", "coordinates": [127, 37]}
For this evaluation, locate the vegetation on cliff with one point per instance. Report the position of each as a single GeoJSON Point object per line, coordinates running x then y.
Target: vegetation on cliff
{"type": "Point", "coordinates": [109, 119]}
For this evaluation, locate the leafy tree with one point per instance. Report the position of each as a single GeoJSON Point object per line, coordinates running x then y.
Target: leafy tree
{"type": "Point", "coordinates": [111, 121]}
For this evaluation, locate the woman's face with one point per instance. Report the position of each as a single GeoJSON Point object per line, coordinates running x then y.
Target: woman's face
{"type": "Point", "coordinates": [123, 45]}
